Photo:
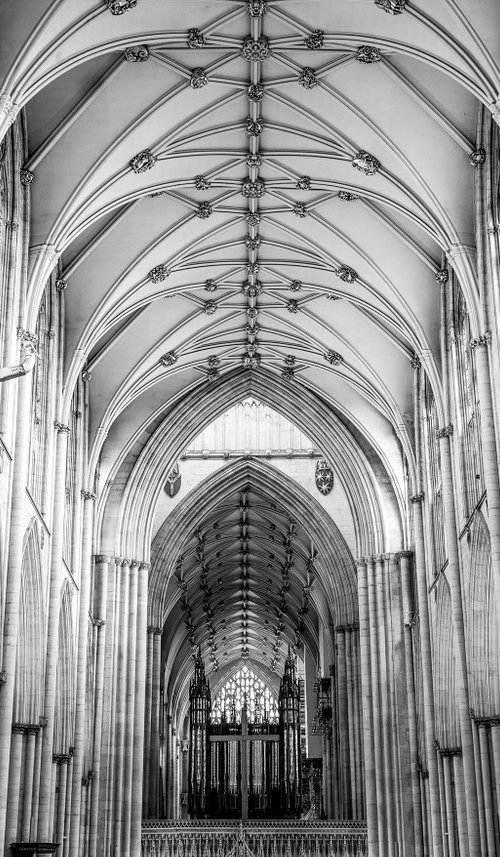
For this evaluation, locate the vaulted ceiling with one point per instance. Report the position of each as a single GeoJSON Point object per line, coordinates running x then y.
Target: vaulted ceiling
{"type": "Point", "coordinates": [272, 188]}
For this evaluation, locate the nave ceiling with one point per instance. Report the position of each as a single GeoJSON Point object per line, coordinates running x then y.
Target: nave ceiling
{"type": "Point", "coordinates": [270, 190]}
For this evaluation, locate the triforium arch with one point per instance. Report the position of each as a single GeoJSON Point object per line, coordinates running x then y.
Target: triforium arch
{"type": "Point", "coordinates": [297, 208]}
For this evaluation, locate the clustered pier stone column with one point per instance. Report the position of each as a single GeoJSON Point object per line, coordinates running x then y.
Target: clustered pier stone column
{"type": "Point", "coordinates": [393, 805]}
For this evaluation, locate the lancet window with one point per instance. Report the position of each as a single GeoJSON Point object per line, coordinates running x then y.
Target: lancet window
{"type": "Point", "coordinates": [245, 687]}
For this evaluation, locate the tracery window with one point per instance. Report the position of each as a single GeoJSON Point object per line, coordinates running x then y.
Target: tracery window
{"type": "Point", "coordinates": [243, 687]}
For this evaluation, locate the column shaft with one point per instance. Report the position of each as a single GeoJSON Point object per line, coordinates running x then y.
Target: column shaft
{"type": "Point", "coordinates": [489, 455]}
{"type": "Point", "coordinates": [47, 765]}
{"type": "Point", "coordinates": [408, 611]}
{"type": "Point", "coordinates": [120, 712]}
{"type": "Point", "coordinates": [427, 680]}
{"type": "Point", "coordinates": [487, 787]}
{"type": "Point", "coordinates": [29, 771]}
{"type": "Point", "coordinates": [343, 716]}
{"type": "Point", "coordinates": [13, 586]}
{"type": "Point", "coordinates": [155, 724]}
{"type": "Point", "coordinates": [101, 577]}
{"type": "Point", "coordinates": [16, 756]}
{"type": "Point", "coordinates": [147, 722]}
{"type": "Point", "coordinates": [461, 806]}
{"type": "Point", "coordinates": [140, 692]}
{"type": "Point", "coordinates": [350, 723]}
{"type": "Point", "coordinates": [130, 707]}
{"type": "Point", "coordinates": [81, 713]}
{"type": "Point", "coordinates": [61, 800]}
{"type": "Point", "coordinates": [367, 711]}
{"type": "Point", "coordinates": [495, 746]}
{"type": "Point", "coordinates": [450, 814]}
{"type": "Point", "coordinates": [453, 576]}
{"type": "Point", "coordinates": [390, 802]}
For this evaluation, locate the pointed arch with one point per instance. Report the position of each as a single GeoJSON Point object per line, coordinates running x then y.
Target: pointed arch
{"type": "Point", "coordinates": [29, 679]}
{"type": "Point", "coordinates": [482, 626]}
{"type": "Point", "coordinates": [65, 678]}
{"type": "Point", "coordinates": [447, 725]}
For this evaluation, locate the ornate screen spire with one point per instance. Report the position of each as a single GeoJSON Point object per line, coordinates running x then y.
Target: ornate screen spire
{"type": "Point", "coordinates": [199, 758]}
{"type": "Point", "coordinates": [289, 714]}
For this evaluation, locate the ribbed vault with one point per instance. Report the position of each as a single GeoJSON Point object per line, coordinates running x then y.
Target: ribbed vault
{"type": "Point", "coordinates": [274, 191]}
{"type": "Point", "coordinates": [246, 565]}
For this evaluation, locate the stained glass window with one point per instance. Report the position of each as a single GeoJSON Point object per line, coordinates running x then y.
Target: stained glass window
{"type": "Point", "coordinates": [245, 687]}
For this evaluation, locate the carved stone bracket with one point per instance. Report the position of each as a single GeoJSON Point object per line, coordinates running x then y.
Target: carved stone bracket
{"type": "Point", "coordinates": [118, 7]}
{"type": "Point", "coordinates": [368, 54]}
{"type": "Point", "coordinates": [447, 431]}
{"type": "Point", "coordinates": [477, 157]}
{"type": "Point", "coordinates": [481, 341]}
{"type": "Point", "coordinates": [136, 53]}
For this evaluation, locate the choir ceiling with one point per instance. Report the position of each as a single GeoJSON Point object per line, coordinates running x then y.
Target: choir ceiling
{"type": "Point", "coordinates": [251, 236]}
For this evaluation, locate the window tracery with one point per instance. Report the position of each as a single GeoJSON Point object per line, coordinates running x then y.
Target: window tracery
{"type": "Point", "coordinates": [245, 687]}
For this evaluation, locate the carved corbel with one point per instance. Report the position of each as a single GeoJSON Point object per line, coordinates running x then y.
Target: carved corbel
{"type": "Point", "coordinates": [28, 356]}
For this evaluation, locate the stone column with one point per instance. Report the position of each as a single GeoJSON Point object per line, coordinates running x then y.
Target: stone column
{"type": "Point", "coordinates": [16, 755]}
{"type": "Point", "coordinates": [427, 678]}
{"type": "Point", "coordinates": [453, 577]}
{"type": "Point", "coordinates": [62, 761]}
{"type": "Point", "coordinates": [483, 730]}
{"type": "Point", "coordinates": [461, 807]}
{"type": "Point", "coordinates": [29, 770]}
{"type": "Point", "coordinates": [495, 747]}
{"type": "Point", "coordinates": [367, 710]}
{"type": "Point", "coordinates": [448, 792]}
{"type": "Point", "coordinates": [147, 720]}
{"type": "Point", "coordinates": [128, 784]}
{"type": "Point", "coordinates": [47, 765]}
{"type": "Point", "coordinates": [101, 586]}
{"type": "Point", "coordinates": [155, 723]}
{"type": "Point", "coordinates": [409, 616]}
{"type": "Point", "coordinates": [140, 691]}
{"type": "Point", "coordinates": [333, 745]}
{"type": "Point", "coordinates": [441, 794]}
{"type": "Point", "coordinates": [351, 716]}
{"type": "Point", "coordinates": [13, 584]}
{"type": "Point", "coordinates": [81, 713]}
{"type": "Point", "coordinates": [36, 780]}
{"type": "Point", "coordinates": [120, 711]}
{"type": "Point", "coordinates": [489, 454]}
{"type": "Point", "coordinates": [400, 727]}
{"type": "Point", "coordinates": [343, 716]}
{"type": "Point", "coordinates": [384, 687]}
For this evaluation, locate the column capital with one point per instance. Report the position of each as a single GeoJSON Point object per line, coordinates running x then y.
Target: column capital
{"type": "Point", "coordinates": [361, 561]}
{"type": "Point", "coordinates": [134, 563]}
{"type": "Point", "coordinates": [119, 560]}
{"type": "Point", "coordinates": [350, 626]}
{"type": "Point", "coordinates": [417, 498]}
{"type": "Point", "coordinates": [102, 559]}
{"type": "Point", "coordinates": [386, 557]}
{"type": "Point", "coordinates": [144, 566]}
{"type": "Point", "coordinates": [405, 554]}
{"type": "Point", "coordinates": [88, 495]}
{"type": "Point", "coordinates": [32, 729]}
{"type": "Point", "coordinates": [154, 629]}
{"type": "Point", "coordinates": [450, 751]}
{"type": "Point", "coordinates": [19, 728]}
{"type": "Point", "coordinates": [60, 427]}
{"type": "Point", "coordinates": [481, 341]}
{"type": "Point", "coordinates": [98, 623]}
{"type": "Point", "coordinates": [61, 758]}
{"type": "Point", "coordinates": [447, 431]}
